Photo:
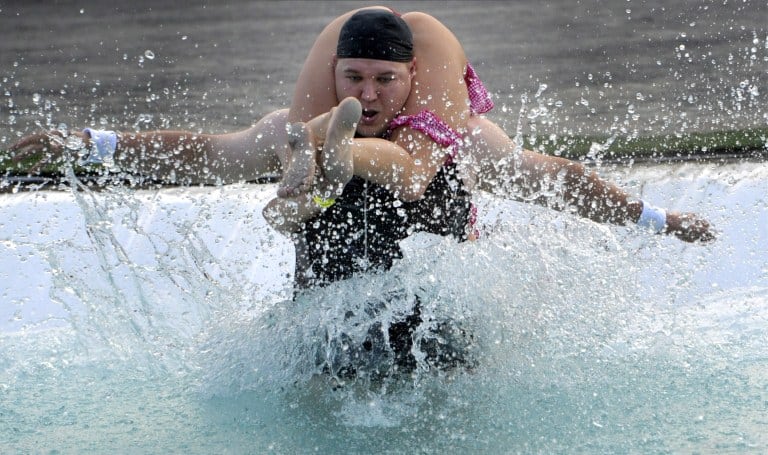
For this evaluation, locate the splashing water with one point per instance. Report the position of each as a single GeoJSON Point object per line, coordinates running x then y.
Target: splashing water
{"type": "Point", "coordinates": [162, 321]}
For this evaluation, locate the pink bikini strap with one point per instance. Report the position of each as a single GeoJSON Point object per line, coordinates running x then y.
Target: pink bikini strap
{"type": "Point", "coordinates": [480, 100]}
{"type": "Point", "coordinates": [429, 123]}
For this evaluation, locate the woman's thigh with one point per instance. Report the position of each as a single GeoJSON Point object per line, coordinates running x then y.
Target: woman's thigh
{"type": "Point", "coordinates": [438, 85]}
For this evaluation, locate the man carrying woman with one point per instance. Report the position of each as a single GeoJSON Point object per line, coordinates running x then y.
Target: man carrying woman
{"type": "Point", "coordinates": [420, 108]}
{"type": "Point", "coordinates": [384, 137]}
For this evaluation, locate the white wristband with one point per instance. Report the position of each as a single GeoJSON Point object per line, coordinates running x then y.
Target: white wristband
{"type": "Point", "coordinates": [652, 218]}
{"type": "Point", "coordinates": [103, 147]}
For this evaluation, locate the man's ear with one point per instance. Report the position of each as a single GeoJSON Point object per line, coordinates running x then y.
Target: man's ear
{"type": "Point", "coordinates": [412, 68]}
{"type": "Point", "coordinates": [334, 61]}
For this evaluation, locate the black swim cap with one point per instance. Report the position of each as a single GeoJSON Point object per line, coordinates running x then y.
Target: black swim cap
{"type": "Point", "coordinates": [376, 34]}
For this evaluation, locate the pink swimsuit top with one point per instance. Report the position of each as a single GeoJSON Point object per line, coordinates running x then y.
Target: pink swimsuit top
{"type": "Point", "coordinates": [427, 122]}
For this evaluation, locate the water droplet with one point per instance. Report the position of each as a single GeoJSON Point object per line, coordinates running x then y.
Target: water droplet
{"type": "Point", "coordinates": [149, 54]}
{"type": "Point", "coordinates": [73, 142]}
{"type": "Point", "coordinates": [36, 98]}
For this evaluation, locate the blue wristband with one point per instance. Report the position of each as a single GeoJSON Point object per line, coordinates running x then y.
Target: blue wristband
{"type": "Point", "coordinates": [103, 147]}
{"type": "Point", "coordinates": [652, 218]}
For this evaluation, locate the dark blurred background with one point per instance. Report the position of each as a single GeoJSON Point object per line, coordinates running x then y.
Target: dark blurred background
{"type": "Point", "coordinates": [576, 67]}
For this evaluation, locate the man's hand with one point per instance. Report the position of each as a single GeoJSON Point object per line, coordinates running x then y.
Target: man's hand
{"type": "Point", "coordinates": [689, 227]}
{"type": "Point", "coordinates": [48, 148]}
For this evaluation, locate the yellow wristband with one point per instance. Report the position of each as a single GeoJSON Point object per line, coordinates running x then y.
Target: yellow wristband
{"type": "Point", "coordinates": [322, 202]}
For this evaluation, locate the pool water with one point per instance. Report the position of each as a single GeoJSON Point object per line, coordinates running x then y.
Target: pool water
{"type": "Point", "coordinates": [159, 321]}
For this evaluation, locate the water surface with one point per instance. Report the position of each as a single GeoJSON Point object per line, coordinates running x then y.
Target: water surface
{"type": "Point", "coordinates": [157, 320]}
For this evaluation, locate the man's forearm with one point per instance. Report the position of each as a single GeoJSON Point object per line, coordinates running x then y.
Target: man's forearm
{"type": "Point", "coordinates": [183, 157]}
{"type": "Point", "coordinates": [599, 200]}
{"type": "Point", "coordinates": [167, 156]}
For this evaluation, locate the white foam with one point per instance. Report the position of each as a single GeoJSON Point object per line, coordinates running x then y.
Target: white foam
{"type": "Point", "coordinates": [138, 244]}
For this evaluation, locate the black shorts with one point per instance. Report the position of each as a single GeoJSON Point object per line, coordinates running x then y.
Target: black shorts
{"type": "Point", "coordinates": [390, 351]}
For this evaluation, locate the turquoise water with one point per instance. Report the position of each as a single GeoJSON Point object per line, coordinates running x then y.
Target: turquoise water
{"type": "Point", "coordinates": [157, 322]}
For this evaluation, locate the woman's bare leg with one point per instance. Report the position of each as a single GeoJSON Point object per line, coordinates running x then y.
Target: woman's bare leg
{"type": "Point", "coordinates": [287, 214]}
{"type": "Point", "coordinates": [439, 81]}
{"type": "Point", "coordinates": [438, 86]}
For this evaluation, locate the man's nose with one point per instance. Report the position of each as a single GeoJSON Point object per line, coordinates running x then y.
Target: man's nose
{"type": "Point", "coordinates": [370, 91]}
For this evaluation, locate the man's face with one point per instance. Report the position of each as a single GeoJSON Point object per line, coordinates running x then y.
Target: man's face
{"type": "Point", "coordinates": [381, 86]}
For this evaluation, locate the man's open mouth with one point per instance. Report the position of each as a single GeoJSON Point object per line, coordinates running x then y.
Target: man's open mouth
{"type": "Point", "coordinates": [369, 115]}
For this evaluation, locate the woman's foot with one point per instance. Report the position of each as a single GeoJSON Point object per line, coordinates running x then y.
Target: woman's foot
{"type": "Point", "coordinates": [300, 174]}
{"type": "Point", "coordinates": [336, 158]}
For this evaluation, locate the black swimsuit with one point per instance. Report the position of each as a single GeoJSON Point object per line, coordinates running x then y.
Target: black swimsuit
{"type": "Point", "coordinates": [362, 230]}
